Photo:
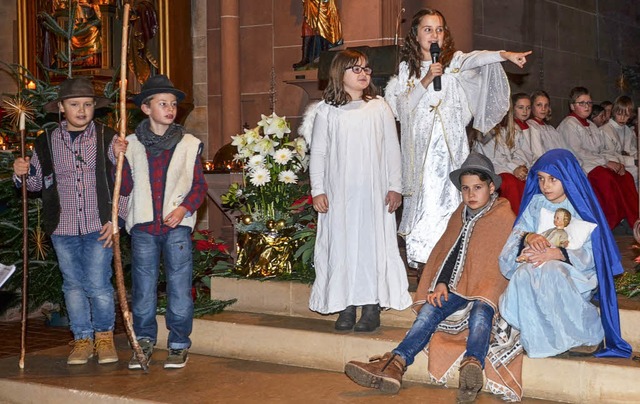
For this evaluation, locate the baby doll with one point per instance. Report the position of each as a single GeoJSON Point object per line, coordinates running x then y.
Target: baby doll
{"type": "Point", "coordinates": [557, 236]}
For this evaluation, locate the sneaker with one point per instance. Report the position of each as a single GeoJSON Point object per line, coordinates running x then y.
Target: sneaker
{"type": "Point", "coordinates": [176, 359]}
{"type": "Point", "coordinates": [105, 347]}
{"type": "Point", "coordinates": [81, 353]}
{"type": "Point", "coordinates": [147, 349]}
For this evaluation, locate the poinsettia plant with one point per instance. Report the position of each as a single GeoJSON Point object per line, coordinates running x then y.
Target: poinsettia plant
{"type": "Point", "coordinates": [275, 166]}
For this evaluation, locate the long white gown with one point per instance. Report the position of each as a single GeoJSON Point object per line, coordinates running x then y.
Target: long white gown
{"type": "Point", "coordinates": [434, 140]}
{"type": "Point", "coordinates": [355, 161]}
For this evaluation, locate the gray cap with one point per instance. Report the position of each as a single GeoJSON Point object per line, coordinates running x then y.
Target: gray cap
{"type": "Point", "coordinates": [478, 162]}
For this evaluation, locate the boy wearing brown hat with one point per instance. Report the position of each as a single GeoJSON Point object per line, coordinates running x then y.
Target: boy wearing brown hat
{"type": "Point", "coordinates": [163, 177]}
{"type": "Point", "coordinates": [462, 272]}
{"type": "Point", "coordinates": [72, 167]}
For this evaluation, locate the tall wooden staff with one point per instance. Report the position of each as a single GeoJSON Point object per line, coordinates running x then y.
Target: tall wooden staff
{"type": "Point", "coordinates": [117, 256]}
{"type": "Point", "coordinates": [25, 246]}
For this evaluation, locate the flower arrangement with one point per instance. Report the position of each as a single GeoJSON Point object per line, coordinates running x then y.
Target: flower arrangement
{"type": "Point", "coordinates": [274, 166]}
{"type": "Point", "coordinates": [276, 223]}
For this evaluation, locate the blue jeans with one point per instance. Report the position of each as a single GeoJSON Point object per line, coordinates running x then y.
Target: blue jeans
{"type": "Point", "coordinates": [86, 282]}
{"type": "Point", "coordinates": [175, 247]}
{"type": "Point", "coordinates": [480, 324]}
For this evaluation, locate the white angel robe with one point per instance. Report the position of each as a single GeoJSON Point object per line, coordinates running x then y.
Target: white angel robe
{"type": "Point", "coordinates": [355, 161]}
{"type": "Point", "coordinates": [434, 140]}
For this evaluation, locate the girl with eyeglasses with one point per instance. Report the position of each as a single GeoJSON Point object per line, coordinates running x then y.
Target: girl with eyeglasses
{"type": "Point", "coordinates": [434, 140]}
{"type": "Point", "coordinates": [612, 183]}
{"type": "Point", "coordinates": [620, 138]}
{"type": "Point", "coordinates": [356, 187]}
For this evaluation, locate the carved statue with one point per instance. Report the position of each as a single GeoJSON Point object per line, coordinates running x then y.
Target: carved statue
{"type": "Point", "coordinates": [144, 22]}
{"type": "Point", "coordinates": [321, 30]}
{"type": "Point", "coordinates": [87, 45]}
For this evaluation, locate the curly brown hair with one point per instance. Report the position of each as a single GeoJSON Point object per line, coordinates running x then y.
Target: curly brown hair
{"type": "Point", "coordinates": [335, 93]}
{"type": "Point", "coordinates": [411, 51]}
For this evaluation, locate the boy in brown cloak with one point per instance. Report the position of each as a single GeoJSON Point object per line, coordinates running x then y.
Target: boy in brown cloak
{"type": "Point", "coordinates": [458, 295]}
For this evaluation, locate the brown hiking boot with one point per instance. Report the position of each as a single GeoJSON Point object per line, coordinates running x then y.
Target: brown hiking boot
{"type": "Point", "coordinates": [105, 348]}
{"type": "Point", "coordinates": [471, 380]}
{"type": "Point", "coordinates": [383, 373]}
{"type": "Point", "coordinates": [82, 351]}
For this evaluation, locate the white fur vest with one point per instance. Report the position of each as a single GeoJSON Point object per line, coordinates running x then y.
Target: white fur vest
{"type": "Point", "coordinates": [178, 181]}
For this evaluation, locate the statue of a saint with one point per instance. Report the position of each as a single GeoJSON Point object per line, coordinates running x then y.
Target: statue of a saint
{"type": "Point", "coordinates": [321, 30]}
{"type": "Point", "coordinates": [87, 46]}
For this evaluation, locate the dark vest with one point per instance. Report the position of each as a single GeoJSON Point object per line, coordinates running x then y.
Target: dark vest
{"type": "Point", "coordinates": [104, 178]}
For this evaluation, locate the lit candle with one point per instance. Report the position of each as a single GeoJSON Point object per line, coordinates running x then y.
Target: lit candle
{"type": "Point", "coordinates": [22, 118]}
{"type": "Point", "coordinates": [31, 85]}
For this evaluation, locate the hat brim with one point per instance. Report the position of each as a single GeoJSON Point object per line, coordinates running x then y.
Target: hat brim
{"type": "Point", "coordinates": [52, 106]}
{"type": "Point", "coordinates": [454, 176]}
{"type": "Point", "coordinates": [143, 95]}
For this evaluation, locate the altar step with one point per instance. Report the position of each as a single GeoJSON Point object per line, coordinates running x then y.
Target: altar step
{"type": "Point", "coordinates": [292, 299]}
{"type": "Point", "coordinates": [271, 323]}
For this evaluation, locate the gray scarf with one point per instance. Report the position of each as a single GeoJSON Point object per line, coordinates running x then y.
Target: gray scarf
{"type": "Point", "coordinates": [157, 144]}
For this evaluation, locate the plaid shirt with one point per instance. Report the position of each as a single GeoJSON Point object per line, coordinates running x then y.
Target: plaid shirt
{"type": "Point", "coordinates": [157, 174]}
{"type": "Point", "coordinates": [74, 165]}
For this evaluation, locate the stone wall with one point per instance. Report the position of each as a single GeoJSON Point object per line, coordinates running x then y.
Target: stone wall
{"type": "Point", "coordinates": [574, 42]}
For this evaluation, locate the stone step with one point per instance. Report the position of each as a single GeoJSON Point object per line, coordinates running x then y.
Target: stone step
{"type": "Point", "coordinates": [312, 343]}
{"type": "Point", "coordinates": [285, 298]}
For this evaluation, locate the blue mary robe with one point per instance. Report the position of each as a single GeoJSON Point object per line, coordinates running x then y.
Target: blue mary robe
{"type": "Point", "coordinates": [550, 305]}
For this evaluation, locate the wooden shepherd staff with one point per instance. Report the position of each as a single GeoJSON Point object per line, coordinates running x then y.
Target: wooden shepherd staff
{"type": "Point", "coordinates": [25, 246]}
{"type": "Point", "coordinates": [117, 256]}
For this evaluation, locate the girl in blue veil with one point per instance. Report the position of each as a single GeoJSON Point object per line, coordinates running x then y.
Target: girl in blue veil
{"type": "Point", "coordinates": [550, 303]}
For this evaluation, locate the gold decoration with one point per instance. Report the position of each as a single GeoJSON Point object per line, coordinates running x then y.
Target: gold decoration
{"type": "Point", "coordinates": [265, 254]}
{"type": "Point", "coordinates": [322, 16]}
{"type": "Point", "coordinates": [280, 224]}
{"type": "Point", "coordinates": [271, 224]}
{"type": "Point", "coordinates": [39, 239]}
{"type": "Point", "coordinates": [621, 83]}
{"type": "Point", "coordinates": [16, 106]}
{"type": "Point", "coordinates": [246, 219]}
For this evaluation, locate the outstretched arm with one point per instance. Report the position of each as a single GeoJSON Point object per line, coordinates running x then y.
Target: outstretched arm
{"type": "Point", "coordinates": [517, 58]}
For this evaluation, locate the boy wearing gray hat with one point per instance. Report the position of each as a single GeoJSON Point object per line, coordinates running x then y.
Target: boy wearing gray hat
{"type": "Point", "coordinates": [462, 272]}
{"type": "Point", "coordinates": [72, 167]}
{"type": "Point", "coordinates": [163, 178]}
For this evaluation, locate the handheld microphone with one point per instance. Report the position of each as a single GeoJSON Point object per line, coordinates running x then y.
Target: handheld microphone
{"type": "Point", "coordinates": [435, 54]}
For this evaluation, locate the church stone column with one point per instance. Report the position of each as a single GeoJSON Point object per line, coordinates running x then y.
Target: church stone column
{"type": "Point", "coordinates": [230, 67]}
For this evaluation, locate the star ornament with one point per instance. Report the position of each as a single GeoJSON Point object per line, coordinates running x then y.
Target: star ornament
{"type": "Point", "coordinates": [15, 106]}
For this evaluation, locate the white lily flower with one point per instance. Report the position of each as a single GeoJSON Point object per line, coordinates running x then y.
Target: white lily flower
{"type": "Point", "coordinates": [282, 156]}
{"type": "Point", "coordinates": [288, 177]}
{"type": "Point", "coordinates": [264, 146]}
{"type": "Point", "coordinates": [277, 127]}
{"type": "Point", "coordinates": [264, 120]}
{"type": "Point", "coordinates": [260, 176]}
{"type": "Point", "coordinates": [238, 141]}
{"type": "Point", "coordinates": [252, 135]}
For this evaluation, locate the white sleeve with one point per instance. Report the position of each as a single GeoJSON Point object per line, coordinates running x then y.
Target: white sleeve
{"type": "Point", "coordinates": [319, 150]}
{"type": "Point", "coordinates": [392, 146]}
